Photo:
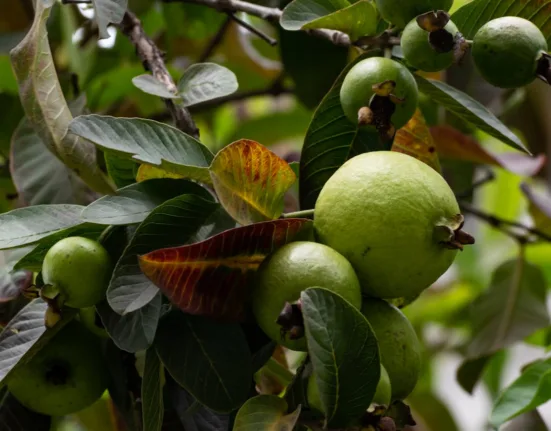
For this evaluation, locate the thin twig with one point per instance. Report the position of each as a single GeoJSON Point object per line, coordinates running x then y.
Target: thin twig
{"type": "Point", "coordinates": [215, 41]}
{"type": "Point", "coordinates": [153, 61]}
{"type": "Point", "coordinates": [253, 30]}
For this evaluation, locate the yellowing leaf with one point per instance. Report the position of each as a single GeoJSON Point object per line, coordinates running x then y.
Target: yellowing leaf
{"type": "Point", "coordinates": [148, 172]}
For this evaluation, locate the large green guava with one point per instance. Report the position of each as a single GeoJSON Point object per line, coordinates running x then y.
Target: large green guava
{"type": "Point", "coordinates": [399, 346]}
{"type": "Point", "coordinates": [506, 51]}
{"type": "Point", "coordinates": [400, 12]}
{"type": "Point", "coordinates": [65, 376]}
{"type": "Point", "coordinates": [79, 269]}
{"type": "Point", "coordinates": [394, 218]}
{"type": "Point", "coordinates": [288, 271]}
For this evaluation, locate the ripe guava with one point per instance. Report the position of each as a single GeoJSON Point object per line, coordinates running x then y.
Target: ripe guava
{"type": "Point", "coordinates": [384, 86]}
{"type": "Point", "coordinates": [79, 269]}
{"type": "Point", "coordinates": [400, 12]}
{"type": "Point", "coordinates": [399, 346]}
{"type": "Point", "coordinates": [420, 53]}
{"type": "Point", "coordinates": [288, 271]}
{"type": "Point", "coordinates": [394, 218]}
{"type": "Point", "coordinates": [65, 376]}
{"type": "Point", "coordinates": [506, 51]}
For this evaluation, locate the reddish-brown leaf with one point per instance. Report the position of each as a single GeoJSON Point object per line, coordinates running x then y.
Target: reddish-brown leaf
{"type": "Point", "coordinates": [210, 278]}
{"type": "Point", "coordinates": [453, 144]}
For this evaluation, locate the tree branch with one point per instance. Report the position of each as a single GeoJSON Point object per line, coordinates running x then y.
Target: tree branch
{"type": "Point", "coordinates": [153, 61]}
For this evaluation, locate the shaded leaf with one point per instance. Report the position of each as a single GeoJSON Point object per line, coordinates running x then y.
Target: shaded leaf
{"type": "Point", "coordinates": [209, 359]}
{"type": "Point", "coordinates": [108, 12]}
{"type": "Point", "coordinates": [152, 392]}
{"type": "Point", "coordinates": [470, 372]}
{"type": "Point", "coordinates": [434, 412]}
{"type": "Point", "coordinates": [414, 139]}
{"type": "Point", "coordinates": [45, 106]}
{"type": "Point", "coordinates": [151, 85]}
{"type": "Point", "coordinates": [531, 420]}
{"type": "Point", "coordinates": [148, 172]}
{"type": "Point", "coordinates": [512, 308]}
{"type": "Point", "coordinates": [453, 144]}
{"type": "Point", "coordinates": [170, 224]}
{"type": "Point", "coordinates": [210, 277]}
{"type": "Point", "coordinates": [120, 169]}
{"type": "Point", "coordinates": [251, 181]}
{"type": "Point", "coordinates": [206, 81]}
{"type": "Point", "coordinates": [539, 206]}
{"type": "Point", "coordinates": [146, 141]}
{"type": "Point", "coordinates": [15, 417]}
{"type": "Point", "coordinates": [300, 12]}
{"type": "Point", "coordinates": [345, 355]}
{"type": "Point", "coordinates": [133, 204]}
{"type": "Point", "coordinates": [526, 393]}
{"type": "Point", "coordinates": [265, 413]}
{"type": "Point", "coordinates": [27, 225]}
{"type": "Point", "coordinates": [12, 283]}
{"type": "Point", "coordinates": [468, 109]}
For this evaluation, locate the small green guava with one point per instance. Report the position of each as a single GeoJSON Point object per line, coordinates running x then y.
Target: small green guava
{"type": "Point", "coordinates": [420, 53]}
{"type": "Point", "coordinates": [79, 270]}
{"type": "Point", "coordinates": [506, 51]}
{"type": "Point", "coordinates": [400, 12]}
{"type": "Point", "coordinates": [384, 86]}
{"type": "Point", "coordinates": [394, 218]}
{"type": "Point", "coordinates": [288, 271]}
{"type": "Point", "coordinates": [65, 376]}
{"type": "Point", "coordinates": [399, 346]}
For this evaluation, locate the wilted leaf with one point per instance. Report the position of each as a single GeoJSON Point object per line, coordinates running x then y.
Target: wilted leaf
{"type": "Point", "coordinates": [146, 141]}
{"type": "Point", "coordinates": [148, 172]}
{"type": "Point", "coordinates": [108, 12]}
{"type": "Point", "coordinates": [152, 392]}
{"type": "Point", "coordinates": [251, 181]}
{"type": "Point", "coordinates": [512, 308]}
{"type": "Point", "coordinates": [415, 140]}
{"type": "Point", "coordinates": [300, 12]}
{"type": "Point", "coordinates": [344, 352]}
{"type": "Point", "coordinates": [265, 413]}
{"type": "Point", "coordinates": [151, 85]}
{"type": "Point", "coordinates": [45, 106]}
{"type": "Point", "coordinates": [453, 144]}
{"type": "Point", "coordinates": [539, 206]}
{"type": "Point", "coordinates": [210, 277]}
{"type": "Point", "coordinates": [206, 81]}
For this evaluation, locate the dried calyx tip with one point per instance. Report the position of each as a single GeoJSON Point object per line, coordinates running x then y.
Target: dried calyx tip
{"type": "Point", "coordinates": [291, 321]}
{"type": "Point", "coordinates": [451, 236]}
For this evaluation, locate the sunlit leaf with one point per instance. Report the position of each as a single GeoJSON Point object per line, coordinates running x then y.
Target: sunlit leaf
{"type": "Point", "coordinates": [206, 81]}
{"type": "Point", "coordinates": [210, 277]}
{"type": "Point", "coordinates": [415, 140]}
{"type": "Point", "coordinates": [151, 85]}
{"type": "Point", "coordinates": [265, 413]}
{"type": "Point", "coordinates": [300, 12]}
{"type": "Point", "coordinates": [148, 172]}
{"type": "Point", "coordinates": [251, 181]}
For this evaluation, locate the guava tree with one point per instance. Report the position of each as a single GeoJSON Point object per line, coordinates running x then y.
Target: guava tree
{"type": "Point", "coordinates": [232, 215]}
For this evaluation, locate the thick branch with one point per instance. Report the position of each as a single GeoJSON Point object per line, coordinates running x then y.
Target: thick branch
{"type": "Point", "coordinates": [153, 61]}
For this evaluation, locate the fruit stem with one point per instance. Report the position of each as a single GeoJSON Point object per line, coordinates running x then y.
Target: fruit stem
{"type": "Point", "coordinates": [300, 214]}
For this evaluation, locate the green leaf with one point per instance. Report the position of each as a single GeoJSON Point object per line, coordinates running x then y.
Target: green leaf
{"type": "Point", "coordinates": [27, 225]}
{"type": "Point", "coordinates": [344, 353]}
{"type": "Point", "coordinates": [135, 331]}
{"type": "Point", "coordinates": [151, 85]}
{"type": "Point", "coordinates": [357, 20]}
{"type": "Point", "coordinates": [152, 392]}
{"type": "Point", "coordinates": [33, 260]}
{"type": "Point", "coordinates": [470, 372]}
{"type": "Point", "coordinates": [265, 413]}
{"type": "Point", "coordinates": [120, 169]}
{"type": "Point", "coordinates": [475, 14]}
{"type": "Point", "coordinates": [45, 106]}
{"type": "Point", "coordinates": [468, 109]}
{"type": "Point", "coordinates": [170, 224]}
{"type": "Point", "coordinates": [148, 142]}
{"type": "Point", "coordinates": [434, 412]}
{"type": "Point", "coordinates": [108, 12]}
{"type": "Point", "coordinates": [530, 390]}
{"type": "Point", "coordinates": [210, 359]}
{"type": "Point", "coordinates": [511, 309]}
{"type": "Point", "coordinates": [206, 81]}
{"type": "Point", "coordinates": [300, 12]}
{"type": "Point", "coordinates": [330, 140]}
{"type": "Point", "coordinates": [133, 204]}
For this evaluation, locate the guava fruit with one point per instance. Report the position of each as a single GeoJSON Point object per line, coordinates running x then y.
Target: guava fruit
{"type": "Point", "coordinates": [288, 271]}
{"type": "Point", "coordinates": [382, 395]}
{"type": "Point", "coordinates": [385, 89]}
{"type": "Point", "coordinates": [79, 270]}
{"type": "Point", "coordinates": [65, 376]}
{"type": "Point", "coordinates": [506, 51]}
{"type": "Point", "coordinates": [399, 346]}
{"type": "Point", "coordinates": [394, 218]}
{"type": "Point", "coordinates": [420, 53]}
{"type": "Point", "coordinates": [400, 12]}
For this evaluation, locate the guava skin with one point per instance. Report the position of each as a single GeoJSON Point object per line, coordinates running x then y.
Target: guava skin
{"type": "Point", "coordinates": [505, 51]}
{"type": "Point", "coordinates": [288, 271]}
{"type": "Point", "coordinates": [418, 51]}
{"type": "Point", "coordinates": [380, 211]}
{"type": "Point", "coordinates": [400, 12]}
{"type": "Point", "coordinates": [399, 346]}
{"type": "Point", "coordinates": [80, 269]}
{"type": "Point", "coordinates": [357, 92]}
{"type": "Point", "coordinates": [67, 375]}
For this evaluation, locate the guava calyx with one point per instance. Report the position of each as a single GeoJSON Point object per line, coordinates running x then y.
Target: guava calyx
{"type": "Point", "coordinates": [450, 235]}
{"type": "Point", "coordinates": [58, 372]}
{"type": "Point", "coordinates": [543, 70]}
{"type": "Point", "coordinates": [291, 321]}
{"type": "Point", "coordinates": [386, 424]}
{"type": "Point", "coordinates": [441, 40]}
